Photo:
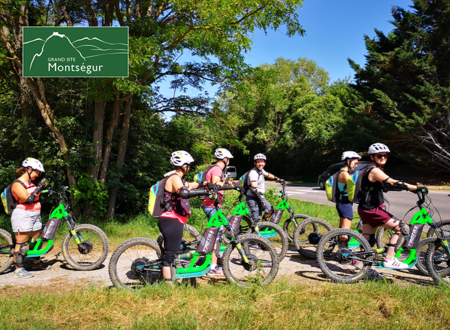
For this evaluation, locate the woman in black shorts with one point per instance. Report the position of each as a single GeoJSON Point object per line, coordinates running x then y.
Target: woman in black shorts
{"type": "Point", "coordinates": [372, 210]}
{"type": "Point", "coordinates": [343, 206]}
{"type": "Point", "coordinates": [178, 210]}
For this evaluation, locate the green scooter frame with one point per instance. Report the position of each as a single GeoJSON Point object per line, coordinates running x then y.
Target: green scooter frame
{"type": "Point", "coordinates": [216, 221]}
{"type": "Point", "coordinates": [421, 217]}
{"type": "Point", "coordinates": [41, 246]}
{"type": "Point", "coordinates": [269, 233]}
{"type": "Point", "coordinates": [241, 209]}
{"type": "Point", "coordinates": [59, 212]}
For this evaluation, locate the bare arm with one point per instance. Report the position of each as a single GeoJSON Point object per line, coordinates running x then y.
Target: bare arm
{"type": "Point", "coordinates": [343, 177]}
{"type": "Point", "coordinates": [174, 184]}
{"type": "Point", "coordinates": [378, 175]}
{"type": "Point", "coordinates": [217, 180]}
{"type": "Point", "coordinates": [20, 191]}
{"type": "Point", "coordinates": [271, 176]}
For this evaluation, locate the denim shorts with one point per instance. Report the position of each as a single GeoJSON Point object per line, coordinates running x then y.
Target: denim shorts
{"type": "Point", "coordinates": [25, 221]}
{"type": "Point", "coordinates": [257, 207]}
{"type": "Point", "coordinates": [209, 211]}
{"type": "Point", "coordinates": [345, 208]}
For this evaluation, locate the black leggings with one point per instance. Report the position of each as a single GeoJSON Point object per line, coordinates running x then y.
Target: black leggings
{"type": "Point", "coordinates": [172, 231]}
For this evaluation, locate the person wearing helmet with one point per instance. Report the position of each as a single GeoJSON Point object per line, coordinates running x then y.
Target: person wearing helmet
{"type": "Point", "coordinates": [26, 217]}
{"type": "Point", "coordinates": [214, 175]}
{"type": "Point", "coordinates": [343, 206]}
{"type": "Point", "coordinates": [372, 210]}
{"type": "Point", "coordinates": [178, 210]}
{"type": "Point", "coordinates": [255, 195]}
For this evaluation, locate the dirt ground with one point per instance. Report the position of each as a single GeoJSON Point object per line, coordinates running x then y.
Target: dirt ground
{"type": "Point", "coordinates": [294, 268]}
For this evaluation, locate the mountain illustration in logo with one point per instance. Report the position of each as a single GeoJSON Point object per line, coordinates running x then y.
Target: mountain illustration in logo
{"type": "Point", "coordinates": [59, 48]}
{"type": "Point", "coordinates": [75, 52]}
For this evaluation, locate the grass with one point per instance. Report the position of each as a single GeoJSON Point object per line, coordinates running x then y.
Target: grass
{"type": "Point", "coordinates": [220, 306]}
{"type": "Point", "coordinates": [282, 305]}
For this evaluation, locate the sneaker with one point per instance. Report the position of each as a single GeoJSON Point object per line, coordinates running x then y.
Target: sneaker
{"type": "Point", "coordinates": [375, 276]}
{"type": "Point", "coordinates": [394, 263]}
{"type": "Point", "coordinates": [254, 246]}
{"type": "Point", "coordinates": [216, 272]}
{"type": "Point", "coordinates": [22, 273]}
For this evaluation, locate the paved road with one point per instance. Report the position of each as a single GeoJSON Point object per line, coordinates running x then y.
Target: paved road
{"type": "Point", "coordinates": [400, 201]}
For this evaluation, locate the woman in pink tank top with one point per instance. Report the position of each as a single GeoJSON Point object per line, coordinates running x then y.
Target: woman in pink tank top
{"type": "Point", "coordinates": [26, 217]}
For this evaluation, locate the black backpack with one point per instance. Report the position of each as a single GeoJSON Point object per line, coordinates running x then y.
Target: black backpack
{"type": "Point", "coordinates": [8, 200]}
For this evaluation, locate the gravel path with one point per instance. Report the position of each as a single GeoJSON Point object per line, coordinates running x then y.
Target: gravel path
{"type": "Point", "coordinates": [294, 268]}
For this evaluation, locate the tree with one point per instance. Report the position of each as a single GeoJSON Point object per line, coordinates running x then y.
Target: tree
{"type": "Point", "coordinates": [214, 33]}
{"type": "Point", "coordinates": [405, 80]}
{"type": "Point", "coordinates": [289, 111]}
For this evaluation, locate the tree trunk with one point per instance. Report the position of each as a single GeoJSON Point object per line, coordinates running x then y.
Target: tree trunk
{"type": "Point", "coordinates": [121, 153]}
{"type": "Point", "coordinates": [25, 108]}
{"type": "Point", "coordinates": [109, 135]}
{"type": "Point", "coordinates": [97, 140]}
{"type": "Point", "coordinates": [50, 120]}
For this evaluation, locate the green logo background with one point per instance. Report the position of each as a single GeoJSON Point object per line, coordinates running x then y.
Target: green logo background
{"type": "Point", "coordinates": [75, 52]}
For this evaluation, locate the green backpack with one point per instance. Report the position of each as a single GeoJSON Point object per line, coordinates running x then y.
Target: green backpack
{"type": "Point", "coordinates": [331, 187]}
{"type": "Point", "coordinates": [355, 194]}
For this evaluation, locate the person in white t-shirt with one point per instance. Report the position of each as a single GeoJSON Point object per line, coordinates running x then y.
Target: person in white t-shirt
{"type": "Point", "coordinates": [255, 195]}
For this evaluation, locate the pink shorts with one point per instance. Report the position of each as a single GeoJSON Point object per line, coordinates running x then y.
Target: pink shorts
{"type": "Point", "coordinates": [376, 217]}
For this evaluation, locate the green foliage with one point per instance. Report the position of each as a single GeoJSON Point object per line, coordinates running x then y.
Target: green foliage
{"type": "Point", "coordinates": [289, 111]}
{"type": "Point", "coordinates": [214, 35]}
{"type": "Point", "coordinates": [93, 192]}
{"type": "Point", "coordinates": [405, 80]}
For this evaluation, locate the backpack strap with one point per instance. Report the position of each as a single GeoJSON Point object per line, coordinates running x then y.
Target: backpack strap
{"type": "Point", "coordinates": [253, 169]}
{"type": "Point", "coordinates": [248, 177]}
{"type": "Point", "coordinates": [369, 170]}
{"type": "Point", "coordinates": [166, 205]}
{"type": "Point", "coordinates": [23, 184]}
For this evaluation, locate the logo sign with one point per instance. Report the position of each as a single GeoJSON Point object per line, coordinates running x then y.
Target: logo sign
{"type": "Point", "coordinates": [75, 51]}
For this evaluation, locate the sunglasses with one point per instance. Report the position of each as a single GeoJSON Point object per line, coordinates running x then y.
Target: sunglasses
{"type": "Point", "coordinates": [382, 156]}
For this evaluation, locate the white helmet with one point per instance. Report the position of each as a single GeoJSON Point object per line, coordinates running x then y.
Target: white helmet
{"type": "Point", "coordinates": [377, 148]}
{"type": "Point", "coordinates": [180, 158]}
{"type": "Point", "coordinates": [33, 163]}
{"type": "Point", "coordinates": [259, 156]}
{"type": "Point", "coordinates": [222, 153]}
{"type": "Point", "coordinates": [350, 155]}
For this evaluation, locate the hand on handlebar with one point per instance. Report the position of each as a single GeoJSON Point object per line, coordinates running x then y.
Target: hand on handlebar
{"type": "Point", "coordinates": [422, 189]}
{"type": "Point", "coordinates": [43, 183]}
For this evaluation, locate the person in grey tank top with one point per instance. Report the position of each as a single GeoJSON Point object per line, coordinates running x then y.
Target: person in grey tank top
{"type": "Point", "coordinates": [255, 196]}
